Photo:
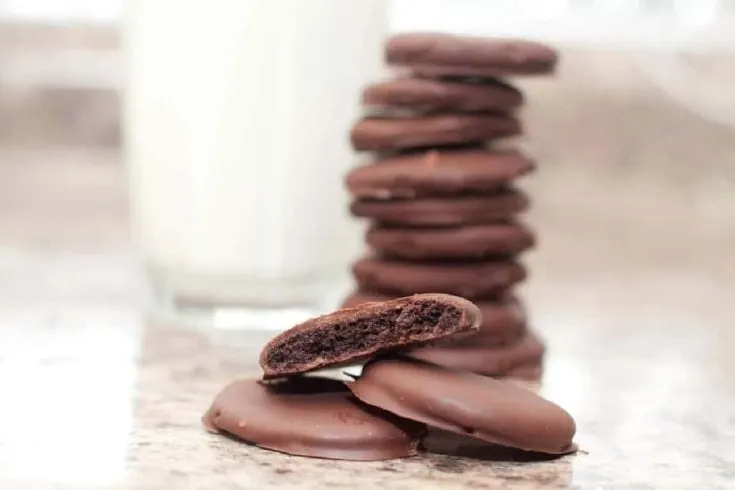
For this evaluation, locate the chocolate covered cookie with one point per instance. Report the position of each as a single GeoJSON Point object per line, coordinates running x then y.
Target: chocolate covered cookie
{"type": "Point", "coordinates": [424, 95]}
{"type": "Point", "coordinates": [500, 206]}
{"type": "Point", "coordinates": [437, 173]}
{"type": "Point", "coordinates": [485, 408]}
{"type": "Point", "coordinates": [366, 330]}
{"type": "Point", "coordinates": [499, 360]}
{"type": "Point", "coordinates": [311, 417]}
{"type": "Point", "coordinates": [385, 134]}
{"type": "Point", "coordinates": [464, 242]}
{"type": "Point", "coordinates": [438, 55]}
{"type": "Point", "coordinates": [473, 280]}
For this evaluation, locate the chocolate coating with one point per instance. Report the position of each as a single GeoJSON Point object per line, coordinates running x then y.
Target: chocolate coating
{"type": "Point", "coordinates": [526, 372]}
{"type": "Point", "coordinates": [466, 403]}
{"type": "Point", "coordinates": [437, 173]}
{"type": "Point", "coordinates": [466, 242]}
{"type": "Point", "coordinates": [366, 330]}
{"type": "Point", "coordinates": [502, 206]}
{"type": "Point", "coordinates": [472, 280]}
{"type": "Point", "coordinates": [439, 441]}
{"type": "Point", "coordinates": [434, 54]}
{"type": "Point", "coordinates": [382, 134]}
{"type": "Point", "coordinates": [311, 417]}
{"type": "Point", "coordinates": [427, 95]}
{"type": "Point", "coordinates": [503, 321]}
{"type": "Point", "coordinates": [499, 360]}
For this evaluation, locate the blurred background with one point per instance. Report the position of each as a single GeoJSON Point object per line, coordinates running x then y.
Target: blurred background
{"type": "Point", "coordinates": [634, 137]}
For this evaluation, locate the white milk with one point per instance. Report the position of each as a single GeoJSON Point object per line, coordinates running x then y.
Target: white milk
{"type": "Point", "coordinates": [237, 121]}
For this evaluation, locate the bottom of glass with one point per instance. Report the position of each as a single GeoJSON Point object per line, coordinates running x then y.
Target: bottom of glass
{"type": "Point", "coordinates": [239, 304]}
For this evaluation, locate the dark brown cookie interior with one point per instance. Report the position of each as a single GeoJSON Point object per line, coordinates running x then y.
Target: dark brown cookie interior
{"type": "Point", "coordinates": [366, 330]}
{"type": "Point", "coordinates": [503, 320]}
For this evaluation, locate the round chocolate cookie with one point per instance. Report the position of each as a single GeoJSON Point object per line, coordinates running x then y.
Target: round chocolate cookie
{"type": "Point", "coordinates": [383, 134]}
{"type": "Point", "coordinates": [501, 206]}
{"type": "Point", "coordinates": [311, 417]}
{"type": "Point", "coordinates": [503, 321]}
{"type": "Point", "coordinates": [478, 406]}
{"type": "Point", "coordinates": [465, 242]}
{"type": "Point", "coordinates": [437, 173]}
{"type": "Point", "coordinates": [472, 280]}
{"type": "Point", "coordinates": [436, 55]}
{"type": "Point", "coordinates": [366, 330]}
{"type": "Point", "coordinates": [424, 95]}
{"type": "Point", "coordinates": [491, 361]}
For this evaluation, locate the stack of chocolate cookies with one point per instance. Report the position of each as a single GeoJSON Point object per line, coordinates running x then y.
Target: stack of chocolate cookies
{"type": "Point", "coordinates": [440, 194]}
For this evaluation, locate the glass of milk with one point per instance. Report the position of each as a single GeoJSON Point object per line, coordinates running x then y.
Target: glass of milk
{"type": "Point", "coordinates": [237, 116]}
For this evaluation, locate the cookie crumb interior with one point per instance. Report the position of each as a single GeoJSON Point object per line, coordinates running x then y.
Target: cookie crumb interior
{"type": "Point", "coordinates": [411, 322]}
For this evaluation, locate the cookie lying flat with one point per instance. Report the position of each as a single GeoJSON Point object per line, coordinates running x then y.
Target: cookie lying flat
{"type": "Point", "coordinates": [433, 54]}
{"type": "Point", "coordinates": [501, 206]}
{"type": "Point", "coordinates": [437, 173]}
{"type": "Point", "coordinates": [503, 320]}
{"type": "Point", "coordinates": [466, 403]}
{"type": "Point", "coordinates": [382, 134]}
{"type": "Point", "coordinates": [465, 242]}
{"type": "Point", "coordinates": [472, 280]}
{"type": "Point", "coordinates": [489, 361]}
{"type": "Point", "coordinates": [311, 417]}
{"type": "Point", "coordinates": [427, 95]}
{"type": "Point", "coordinates": [357, 333]}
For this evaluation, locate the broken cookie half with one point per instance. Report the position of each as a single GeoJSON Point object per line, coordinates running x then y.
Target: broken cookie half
{"type": "Point", "coordinates": [356, 334]}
